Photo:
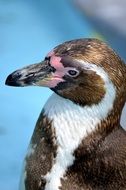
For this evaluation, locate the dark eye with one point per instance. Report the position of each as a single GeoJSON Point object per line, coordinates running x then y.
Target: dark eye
{"type": "Point", "coordinates": [73, 73]}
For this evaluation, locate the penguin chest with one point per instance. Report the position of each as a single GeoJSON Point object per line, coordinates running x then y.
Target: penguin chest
{"type": "Point", "coordinates": [58, 133]}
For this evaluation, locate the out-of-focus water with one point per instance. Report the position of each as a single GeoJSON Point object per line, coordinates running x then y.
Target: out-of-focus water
{"type": "Point", "coordinates": [108, 16]}
{"type": "Point", "coordinates": [28, 30]}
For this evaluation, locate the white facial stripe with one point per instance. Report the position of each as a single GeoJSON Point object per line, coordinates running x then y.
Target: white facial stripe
{"type": "Point", "coordinates": [73, 123]}
{"type": "Point", "coordinates": [99, 70]}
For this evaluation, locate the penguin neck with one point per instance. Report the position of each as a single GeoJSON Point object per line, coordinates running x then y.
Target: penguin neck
{"type": "Point", "coordinates": [73, 123]}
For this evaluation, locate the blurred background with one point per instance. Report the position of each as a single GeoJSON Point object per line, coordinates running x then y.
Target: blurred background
{"type": "Point", "coordinates": [28, 31]}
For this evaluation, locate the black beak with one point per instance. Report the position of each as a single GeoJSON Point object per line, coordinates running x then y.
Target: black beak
{"type": "Point", "coordinates": [35, 74]}
{"type": "Point", "coordinates": [13, 79]}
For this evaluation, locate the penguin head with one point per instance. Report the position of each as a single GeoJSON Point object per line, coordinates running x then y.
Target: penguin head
{"type": "Point", "coordinates": [79, 70]}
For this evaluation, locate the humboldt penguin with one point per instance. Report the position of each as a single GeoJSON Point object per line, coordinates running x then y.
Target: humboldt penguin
{"type": "Point", "coordinates": [78, 142]}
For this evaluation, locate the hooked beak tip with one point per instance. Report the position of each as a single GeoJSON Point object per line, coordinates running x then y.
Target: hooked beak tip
{"type": "Point", "coordinates": [12, 80]}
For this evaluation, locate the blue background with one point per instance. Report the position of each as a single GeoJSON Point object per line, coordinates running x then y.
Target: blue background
{"type": "Point", "coordinates": [28, 31]}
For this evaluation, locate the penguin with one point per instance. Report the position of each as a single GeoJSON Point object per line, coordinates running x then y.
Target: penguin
{"type": "Point", "coordinates": [78, 142]}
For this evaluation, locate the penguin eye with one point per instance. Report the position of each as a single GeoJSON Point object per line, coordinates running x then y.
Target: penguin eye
{"type": "Point", "coordinates": [73, 73]}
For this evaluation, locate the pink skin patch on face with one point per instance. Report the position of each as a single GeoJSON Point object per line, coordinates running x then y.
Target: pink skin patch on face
{"type": "Point", "coordinates": [54, 82]}
{"type": "Point", "coordinates": [55, 62]}
{"type": "Point", "coordinates": [57, 76]}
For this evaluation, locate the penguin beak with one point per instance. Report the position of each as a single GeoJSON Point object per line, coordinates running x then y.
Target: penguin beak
{"type": "Point", "coordinates": [37, 74]}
